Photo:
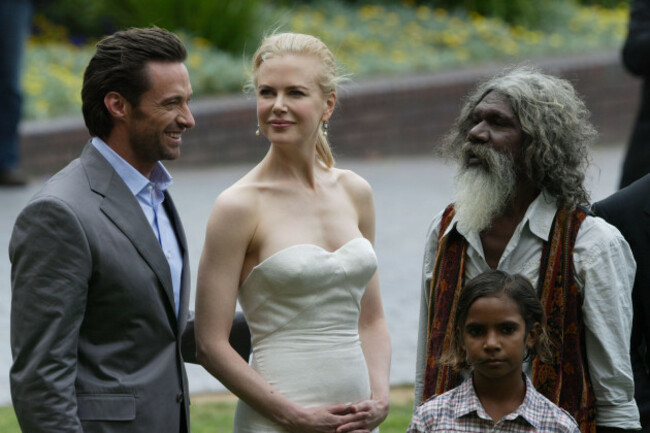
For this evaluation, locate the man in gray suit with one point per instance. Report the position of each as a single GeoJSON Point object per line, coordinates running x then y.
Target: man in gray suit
{"type": "Point", "coordinates": [100, 275]}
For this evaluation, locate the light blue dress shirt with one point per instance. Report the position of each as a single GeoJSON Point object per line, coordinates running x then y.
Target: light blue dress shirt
{"type": "Point", "coordinates": [150, 195]}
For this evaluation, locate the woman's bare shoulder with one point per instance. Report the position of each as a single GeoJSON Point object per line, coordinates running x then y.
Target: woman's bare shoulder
{"type": "Point", "coordinates": [355, 185]}
{"type": "Point", "coordinates": [239, 202]}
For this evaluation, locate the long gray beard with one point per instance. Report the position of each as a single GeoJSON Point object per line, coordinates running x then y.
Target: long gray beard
{"type": "Point", "coordinates": [482, 193]}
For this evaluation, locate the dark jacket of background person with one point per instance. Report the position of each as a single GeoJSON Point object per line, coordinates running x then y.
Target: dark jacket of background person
{"type": "Point", "coordinates": [636, 58]}
{"type": "Point", "coordinates": [629, 211]}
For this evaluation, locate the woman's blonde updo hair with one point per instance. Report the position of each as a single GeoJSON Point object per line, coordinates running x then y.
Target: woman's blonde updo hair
{"type": "Point", "coordinates": [297, 43]}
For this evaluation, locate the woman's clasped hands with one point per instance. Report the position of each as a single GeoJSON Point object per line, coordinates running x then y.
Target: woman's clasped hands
{"type": "Point", "coordinates": [360, 417]}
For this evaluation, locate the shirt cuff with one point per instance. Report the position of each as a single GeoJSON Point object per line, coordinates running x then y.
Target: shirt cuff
{"type": "Point", "coordinates": [622, 415]}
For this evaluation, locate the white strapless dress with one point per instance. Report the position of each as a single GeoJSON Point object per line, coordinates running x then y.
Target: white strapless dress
{"type": "Point", "coordinates": [302, 305]}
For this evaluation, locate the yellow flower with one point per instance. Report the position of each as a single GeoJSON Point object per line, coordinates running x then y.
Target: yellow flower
{"type": "Point", "coordinates": [33, 84]}
{"type": "Point", "coordinates": [555, 40]}
{"type": "Point", "coordinates": [440, 14]}
{"type": "Point", "coordinates": [462, 55]}
{"type": "Point", "coordinates": [194, 60]}
{"type": "Point", "coordinates": [423, 13]}
{"type": "Point", "coordinates": [340, 21]}
{"type": "Point", "coordinates": [42, 106]}
{"type": "Point", "coordinates": [201, 42]}
{"type": "Point", "coordinates": [392, 19]}
{"type": "Point", "coordinates": [369, 12]}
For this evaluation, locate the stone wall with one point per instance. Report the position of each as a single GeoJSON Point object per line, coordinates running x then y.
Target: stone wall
{"type": "Point", "coordinates": [376, 117]}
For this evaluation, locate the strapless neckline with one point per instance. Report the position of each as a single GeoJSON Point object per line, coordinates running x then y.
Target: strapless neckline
{"type": "Point", "coordinates": [278, 253]}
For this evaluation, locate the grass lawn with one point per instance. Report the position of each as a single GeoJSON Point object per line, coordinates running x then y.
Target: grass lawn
{"type": "Point", "coordinates": [213, 413]}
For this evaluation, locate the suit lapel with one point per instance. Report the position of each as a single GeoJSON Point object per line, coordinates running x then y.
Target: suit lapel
{"type": "Point", "coordinates": [123, 209]}
{"type": "Point", "coordinates": [182, 242]}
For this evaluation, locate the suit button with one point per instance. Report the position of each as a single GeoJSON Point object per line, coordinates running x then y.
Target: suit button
{"type": "Point", "coordinates": [179, 398]}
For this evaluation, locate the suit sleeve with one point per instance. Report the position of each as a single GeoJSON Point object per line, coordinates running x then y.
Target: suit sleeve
{"type": "Point", "coordinates": [50, 273]}
{"type": "Point", "coordinates": [240, 338]}
{"type": "Point", "coordinates": [636, 50]}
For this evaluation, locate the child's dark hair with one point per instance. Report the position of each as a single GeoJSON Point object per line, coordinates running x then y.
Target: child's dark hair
{"type": "Point", "coordinates": [497, 283]}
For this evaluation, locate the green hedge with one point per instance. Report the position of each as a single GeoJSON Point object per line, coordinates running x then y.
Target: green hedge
{"type": "Point", "coordinates": [230, 25]}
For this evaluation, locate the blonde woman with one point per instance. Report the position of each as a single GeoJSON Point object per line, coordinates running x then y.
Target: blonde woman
{"type": "Point", "coordinates": [293, 241]}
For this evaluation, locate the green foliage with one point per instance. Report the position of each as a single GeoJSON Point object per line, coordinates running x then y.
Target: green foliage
{"type": "Point", "coordinates": [8, 421]}
{"type": "Point", "coordinates": [82, 19]}
{"type": "Point", "coordinates": [399, 417]}
{"type": "Point", "coordinates": [603, 3]}
{"type": "Point", "coordinates": [230, 25]}
{"type": "Point", "coordinates": [216, 417]}
{"type": "Point", "coordinates": [527, 13]}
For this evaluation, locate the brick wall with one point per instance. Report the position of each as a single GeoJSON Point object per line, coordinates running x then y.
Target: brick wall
{"type": "Point", "coordinates": [392, 116]}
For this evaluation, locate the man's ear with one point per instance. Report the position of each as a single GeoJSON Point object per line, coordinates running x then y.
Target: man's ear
{"type": "Point", "coordinates": [117, 106]}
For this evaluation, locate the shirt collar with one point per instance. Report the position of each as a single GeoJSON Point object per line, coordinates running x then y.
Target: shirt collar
{"type": "Point", "coordinates": [530, 408]}
{"type": "Point", "coordinates": [134, 180]}
{"type": "Point", "coordinates": [539, 217]}
{"type": "Point", "coordinates": [468, 400]}
{"type": "Point", "coordinates": [469, 403]}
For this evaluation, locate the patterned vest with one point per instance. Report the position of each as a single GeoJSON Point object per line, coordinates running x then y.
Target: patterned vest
{"type": "Point", "coordinates": [565, 379]}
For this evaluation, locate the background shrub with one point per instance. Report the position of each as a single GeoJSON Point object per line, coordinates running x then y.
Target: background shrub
{"type": "Point", "coordinates": [527, 13]}
{"type": "Point", "coordinates": [234, 26]}
{"type": "Point", "coordinates": [230, 25]}
{"type": "Point", "coordinates": [79, 19]}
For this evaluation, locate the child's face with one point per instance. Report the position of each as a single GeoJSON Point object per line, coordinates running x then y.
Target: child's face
{"type": "Point", "coordinates": [495, 337]}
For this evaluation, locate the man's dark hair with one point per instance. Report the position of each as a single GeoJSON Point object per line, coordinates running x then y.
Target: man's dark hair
{"type": "Point", "coordinates": [119, 65]}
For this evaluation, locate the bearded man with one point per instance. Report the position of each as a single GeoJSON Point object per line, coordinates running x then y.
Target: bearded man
{"type": "Point", "coordinates": [521, 142]}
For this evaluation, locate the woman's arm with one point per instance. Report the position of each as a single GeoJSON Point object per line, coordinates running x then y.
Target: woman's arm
{"type": "Point", "coordinates": [373, 330]}
{"type": "Point", "coordinates": [231, 225]}
{"type": "Point", "coordinates": [375, 342]}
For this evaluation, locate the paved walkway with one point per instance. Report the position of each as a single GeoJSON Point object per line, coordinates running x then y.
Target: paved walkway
{"type": "Point", "coordinates": [408, 192]}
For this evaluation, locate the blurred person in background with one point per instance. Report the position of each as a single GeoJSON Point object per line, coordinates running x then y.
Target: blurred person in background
{"type": "Point", "coordinates": [15, 22]}
{"type": "Point", "coordinates": [636, 58]}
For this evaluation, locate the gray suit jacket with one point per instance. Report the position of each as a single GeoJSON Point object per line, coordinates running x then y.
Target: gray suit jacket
{"type": "Point", "coordinates": [95, 340]}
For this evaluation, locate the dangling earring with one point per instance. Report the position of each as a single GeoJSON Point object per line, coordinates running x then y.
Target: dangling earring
{"type": "Point", "coordinates": [326, 126]}
{"type": "Point", "coordinates": [257, 132]}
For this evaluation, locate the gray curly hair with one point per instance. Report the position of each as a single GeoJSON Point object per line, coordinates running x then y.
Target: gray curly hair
{"type": "Point", "coordinates": [556, 127]}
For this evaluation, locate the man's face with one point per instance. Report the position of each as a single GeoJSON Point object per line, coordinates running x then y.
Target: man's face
{"type": "Point", "coordinates": [490, 162]}
{"type": "Point", "coordinates": [495, 126]}
{"type": "Point", "coordinates": [156, 125]}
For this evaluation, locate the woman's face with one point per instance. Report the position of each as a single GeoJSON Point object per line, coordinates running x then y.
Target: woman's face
{"type": "Point", "coordinates": [290, 103]}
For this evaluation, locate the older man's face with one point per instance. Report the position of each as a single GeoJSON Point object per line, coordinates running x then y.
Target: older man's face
{"type": "Point", "coordinates": [490, 160]}
{"type": "Point", "coordinates": [496, 126]}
